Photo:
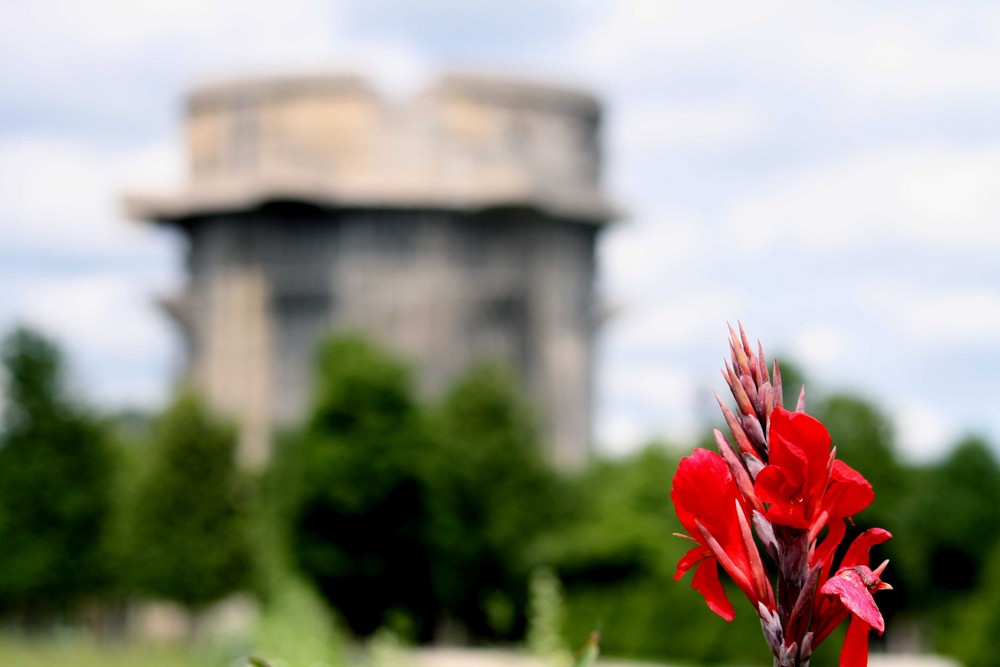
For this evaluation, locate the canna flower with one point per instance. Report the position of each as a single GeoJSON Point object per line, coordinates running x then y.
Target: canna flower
{"type": "Point", "coordinates": [714, 512]}
{"type": "Point", "coordinates": [853, 587]}
{"type": "Point", "coordinates": [779, 474]}
{"type": "Point", "coordinates": [849, 593]}
{"type": "Point", "coordinates": [804, 483]}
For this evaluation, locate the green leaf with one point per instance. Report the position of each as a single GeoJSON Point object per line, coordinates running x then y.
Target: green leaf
{"type": "Point", "coordinates": [588, 654]}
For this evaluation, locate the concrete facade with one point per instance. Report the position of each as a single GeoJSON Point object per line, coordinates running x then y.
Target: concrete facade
{"type": "Point", "coordinates": [458, 226]}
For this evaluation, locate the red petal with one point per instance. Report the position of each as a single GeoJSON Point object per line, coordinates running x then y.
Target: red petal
{"type": "Point", "coordinates": [700, 481]}
{"type": "Point", "coordinates": [848, 585]}
{"type": "Point", "coordinates": [773, 486]}
{"type": "Point", "coordinates": [788, 514]}
{"type": "Point", "coordinates": [706, 582]}
{"type": "Point", "coordinates": [803, 432]}
{"type": "Point", "coordinates": [705, 494]}
{"type": "Point", "coordinates": [799, 446]}
{"type": "Point", "coordinates": [690, 559]}
{"type": "Point", "coordinates": [786, 507]}
{"type": "Point", "coordinates": [828, 547]}
{"type": "Point", "coordinates": [855, 651]}
{"type": "Point", "coordinates": [849, 492]}
{"type": "Point", "coordinates": [857, 553]}
{"type": "Point", "coordinates": [704, 491]}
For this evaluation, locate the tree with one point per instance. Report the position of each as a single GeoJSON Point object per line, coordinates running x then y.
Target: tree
{"type": "Point", "coordinates": [55, 480]}
{"type": "Point", "coordinates": [973, 639]}
{"type": "Point", "coordinates": [954, 521]}
{"type": "Point", "coordinates": [357, 500]}
{"type": "Point", "coordinates": [493, 494]}
{"type": "Point", "coordinates": [617, 560]}
{"type": "Point", "coordinates": [187, 528]}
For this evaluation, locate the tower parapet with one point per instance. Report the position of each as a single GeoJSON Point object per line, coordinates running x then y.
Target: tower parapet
{"type": "Point", "coordinates": [466, 143]}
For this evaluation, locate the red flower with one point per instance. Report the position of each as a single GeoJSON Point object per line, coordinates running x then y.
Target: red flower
{"type": "Point", "coordinates": [804, 484]}
{"type": "Point", "coordinates": [714, 512]}
{"type": "Point", "coordinates": [853, 587]}
{"type": "Point", "coordinates": [849, 592]}
{"type": "Point", "coordinates": [783, 475]}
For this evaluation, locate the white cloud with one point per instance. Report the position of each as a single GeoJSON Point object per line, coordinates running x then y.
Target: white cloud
{"type": "Point", "coordinates": [635, 36]}
{"type": "Point", "coordinates": [93, 312]}
{"type": "Point", "coordinates": [618, 433]}
{"type": "Point", "coordinates": [929, 52]}
{"type": "Point", "coordinates": [650, 384]}
{"type": "Point", "coordinates": [109, 61]}
{"type": "Point", "coordinates": [822, 347]}
{"type": "Point", "coordinates": [644, 400]}
{"type": "Point", "coordinates": [865, 57]}
{"type": "Point", "coordinates": [936, 198]}
{"type": "Point", "coordinates": [639, 256]}
{"type": "Point", "coordinates": [660, 125]}
{"type": "Point", "coordinates": [112, 332]}
{"type": "Point", "coordinates": [62, 197]}
{"type": "Point", "coordinates": [923, 433]}
{"type": "Point", "coordinates": [60, 202]}
{"type": "Point", "coordinates": [952, 317]}
{"type": "Point", "coordinates": [75, 35]}
{"type": "Point", "coordinates": [662, 323]}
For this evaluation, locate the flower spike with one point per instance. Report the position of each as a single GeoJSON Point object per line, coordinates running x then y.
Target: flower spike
{"type": "Point", "coordinates": [779, 478]}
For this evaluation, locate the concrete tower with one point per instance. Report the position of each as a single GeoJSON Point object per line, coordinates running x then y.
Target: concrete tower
{"type": "Point", "coordinates": [458, 226]}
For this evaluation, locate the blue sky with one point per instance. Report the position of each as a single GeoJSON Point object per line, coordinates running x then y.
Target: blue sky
{"type": "Point", "coordinates": [829, 173]}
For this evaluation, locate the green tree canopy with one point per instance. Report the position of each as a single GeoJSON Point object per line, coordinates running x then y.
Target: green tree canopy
{"type": "Point", "coordinates": [953, 521]}
{"type": "Point", "coordinates": [186, 532]}
{"type": "Point", "coordinates": [493, 494]}
{"type": "Point", "coordinates": [357, 502]}
{"type": "Point", "coordinates": [55, 481]}
{"type": "Point", "coordinates": [617, 559]}
{"type": "Point", "coordinates": [973, 639]}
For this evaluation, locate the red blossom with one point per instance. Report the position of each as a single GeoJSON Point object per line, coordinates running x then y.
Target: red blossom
{"type": "Point", "coordinates": [803, 483]}
{"type": "Point", "coordinates": [780, 474]}
{"type": "Point", "coordinates": [830, 609]}
{"type": "Point", "coordinates": [714, 512]}
{"type": "Point", "coordinates": [853, 588]}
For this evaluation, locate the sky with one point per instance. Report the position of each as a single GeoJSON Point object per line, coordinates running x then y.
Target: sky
{"type": "Point", "coordinates": [828, 173]}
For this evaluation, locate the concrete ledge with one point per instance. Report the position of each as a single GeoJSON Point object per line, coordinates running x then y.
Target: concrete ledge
{"type": "Point", "coordinates": [195, 202]}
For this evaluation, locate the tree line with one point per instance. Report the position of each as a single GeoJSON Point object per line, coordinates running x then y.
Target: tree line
{"type": "Point", "coordinates": [430, 516]}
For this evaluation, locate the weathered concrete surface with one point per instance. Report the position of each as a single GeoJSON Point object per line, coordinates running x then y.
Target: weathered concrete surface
{"type": "Point", "coordinates": [456, 227]}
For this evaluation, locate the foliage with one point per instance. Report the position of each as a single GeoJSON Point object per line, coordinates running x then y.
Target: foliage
{"type": "Point", "coordinates": [617, 558]}
{"type": "Point", "coordinates": [404, 514]}
{"type": "Point", "coordinates": [955, 519]}
{"type": "Point", "coordinates": [492, 494]}
{"type": "Point", "coordinates": [357, 502]}
{"type": "Point", "coordinates": [55, 480]}
{"type": "Point", "coordinates": [620, 529]}
{"type": "Point", "coordinates": [546, 617]}
{"type": "Point", "coordinates": [186, 532]}
{"type": "Point", "coordinates": [399, 511]}
{"type": "Point", "coordinates": [973, 639]}
{"type": "Point", "coordinates": [80, 651]}
{"type": "Point", "coordinates": [296, 629]}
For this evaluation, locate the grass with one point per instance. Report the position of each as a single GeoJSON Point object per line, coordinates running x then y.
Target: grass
{"type": "Point", "coordinates": [79, 651]}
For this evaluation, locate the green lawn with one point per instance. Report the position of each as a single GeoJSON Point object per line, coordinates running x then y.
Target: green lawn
{"type": "Point", "coordinates": [80, 652]}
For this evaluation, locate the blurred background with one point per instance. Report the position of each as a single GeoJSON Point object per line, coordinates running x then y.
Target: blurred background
{"type": "Point", "coordinates": [337, 329]}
